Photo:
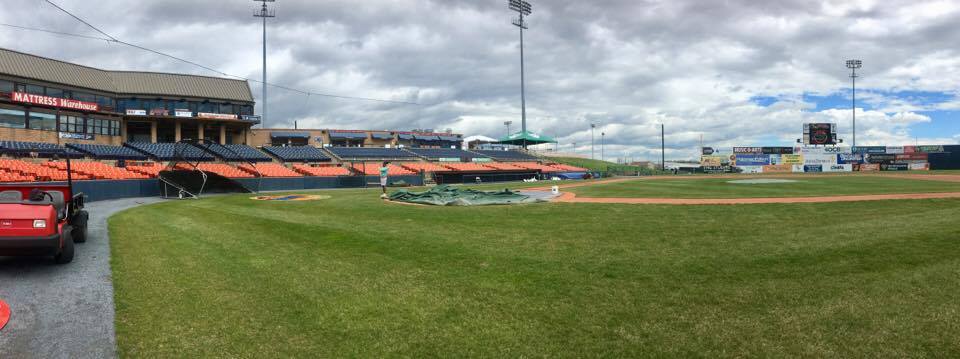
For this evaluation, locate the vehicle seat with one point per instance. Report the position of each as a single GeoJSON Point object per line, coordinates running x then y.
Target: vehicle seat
{"type": "Point", "coordinates": [11, 197]}
{"type": "Point", "coordinates": [59, 203]}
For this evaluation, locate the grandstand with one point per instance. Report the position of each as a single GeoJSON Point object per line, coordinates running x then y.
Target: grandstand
{"type": "Point", "coordinates": [322, 171]}
{"type": "Point", "coordinates": [236, 153]}
{"type": "Point", "coordinates": [370, 154]}
{"type": "Point", "coordinates": [507, 155]}
{"type": "Point", "coordinates": [269, 170]}
{"type": "Point", "coordinates": [43, 149]}
{"type": "Point", "coordinates": [297, 153]}
{"type": "Point", "coordinates": [168, 151]}
{"type": "Point", "coordinates": [374, 170]}
{"type": "Point", "coordinates": [107, 152]}
{"type": "Point", "coordinates": [435, 154]}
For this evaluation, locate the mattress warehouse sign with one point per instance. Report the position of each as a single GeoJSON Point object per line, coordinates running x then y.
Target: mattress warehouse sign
{"type": "Point", "coordinates": [54, 102]}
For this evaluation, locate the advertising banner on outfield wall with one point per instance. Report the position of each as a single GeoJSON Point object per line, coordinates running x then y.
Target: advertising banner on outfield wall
{"type": "Point", "coordinates": [748, 150]}
{"type": "Point", "coordinates": [929, 149]}
{"type": "Point", "coordinates": [778, 169]}
{"type": "Point", "coordinates": [849, 158]}
{"type": "Point", "coordinates": [819, 159]}
{"type": "Point", "coordinates": [867, 167]}
{"type": "Point", "coordinates": [913, 157]}
{"type": "Point", "coordinates": [919, 166]}
{"type": "Point", "coordinates": [825, 150]}
{"type": "Point", "coordinates": [791, 159]}
{"type": "Point", "coordinates": [895, 150]}
{"type": "Point", "coordinates": [752, 160]}
{"type": "Point", "coordinates": [876, 158]}
{"type": "Point", "coordinates": [870, 149]}
{"type": "Point", "coordinates": [750, 169]}
{"type": "Point", "coordinates": [711, 161]}
{"type": "Point", "coordinates": [797, 168]}
{"type": "Point", "coordinates": [774, 159]}
{"type": "Point", "coordinates": [777, 150]}
{"type": "Point", "coordinates": [838, 168]}
{"type": "Point", "coordinates": [894, 167]}
{"type": "Point", "coordinates": [812, 168]}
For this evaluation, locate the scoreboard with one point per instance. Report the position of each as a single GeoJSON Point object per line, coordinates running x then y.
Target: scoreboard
{"type": "Point", "coordinates": [819, 134]}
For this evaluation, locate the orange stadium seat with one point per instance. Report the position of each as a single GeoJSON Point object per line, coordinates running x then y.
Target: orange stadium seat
{"type": "Point", "coordinates": [466, 167]}
{"type": "Point", "coordinates": [149, 169]}
{"type": "Point", "coordinates": [534, 166]}
{"type": "Point", "coordinates": [38, 172]}
{"type": "Point", "coordinates": [322, 171]}
{"type": "Point", "coordinates": [373, 169]}
{"type": "Point", "coordinates": [503, 166]}
{"type": "Point", "coordinates": [97, 170]}
{"type": "Point", "coordinates": [567, 168]}
{"type": "Point", "coordinates": [224, 170]}
{"type": "Point", "coordinates": [424, 166]}
{"type": "Point", "coordinates": [269, 170]}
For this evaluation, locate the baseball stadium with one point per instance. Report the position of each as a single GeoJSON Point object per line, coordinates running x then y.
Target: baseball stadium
{"type": "Point", "coordinates": [150, 214]}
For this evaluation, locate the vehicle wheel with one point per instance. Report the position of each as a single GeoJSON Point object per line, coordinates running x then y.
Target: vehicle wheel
{"type": "Point", "coordinates": [80, 227]}
{"type": "Point", "coordinates": [66, 253]}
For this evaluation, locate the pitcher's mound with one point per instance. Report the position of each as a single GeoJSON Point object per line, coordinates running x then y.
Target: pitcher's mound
{"type": "Point", "coordinates": [762, 181]}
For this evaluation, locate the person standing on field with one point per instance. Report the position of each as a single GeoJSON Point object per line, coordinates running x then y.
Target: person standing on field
{"type": "Point", "coordinates": [384, 170]}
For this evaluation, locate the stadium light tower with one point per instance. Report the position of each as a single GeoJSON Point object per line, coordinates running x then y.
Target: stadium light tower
{"type": "Point", "coordinates": [523, 8]}
{"type": "Point", "coordinates": [264, 13]}
{"type": "Point", "coordinates": [601, 144]}
{"type": "Point", "coordinates": [592, 127]}
{"type": "Point", "coordinates": [853, 65]}
{"type": "Point", "coordinates": [508, 123]}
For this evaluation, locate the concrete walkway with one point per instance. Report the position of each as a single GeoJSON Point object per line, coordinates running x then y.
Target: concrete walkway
{"type": "Point", "coordinates": [64, 311]}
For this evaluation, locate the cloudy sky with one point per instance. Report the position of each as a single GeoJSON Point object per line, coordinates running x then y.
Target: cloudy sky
{"type": "Point", "coordinates": [733, 72]}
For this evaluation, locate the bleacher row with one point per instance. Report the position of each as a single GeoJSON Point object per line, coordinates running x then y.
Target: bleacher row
{"type": "Point", "coordinates": [139, 151]}
{"type": "Point", "coordinates": [15, 170]}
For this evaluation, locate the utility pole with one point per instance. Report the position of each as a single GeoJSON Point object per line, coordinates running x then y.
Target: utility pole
{"type": "Point", "coordinates": [601, 144]}
{"type": "Point", "coordinates": [508, 123]}
{"type": "Point", "coordinates": [524, 9]}
{"type": "Point", "coordinates": [663, 153]}
{"type": "Point", "coordinates": [592, 127]}
{"type": "Point", "coordinates": [264, 13]}
{"type": "Point", "coordinates": [853, 65]}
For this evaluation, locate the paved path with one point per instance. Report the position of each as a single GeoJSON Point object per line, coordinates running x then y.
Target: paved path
{"type": "Point", "coordinates": [64, 311]}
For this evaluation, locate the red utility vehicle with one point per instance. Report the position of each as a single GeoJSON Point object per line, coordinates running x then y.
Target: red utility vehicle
{"type": "Point", "coordinates": [41, 219]}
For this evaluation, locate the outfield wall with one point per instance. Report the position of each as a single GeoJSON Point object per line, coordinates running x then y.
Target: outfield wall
{"type": "Point", "coordinates": [832, 159]}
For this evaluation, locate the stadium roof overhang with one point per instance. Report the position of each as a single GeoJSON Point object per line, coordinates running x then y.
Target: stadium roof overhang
{"type": "Point", "coordinates": [525, 138]}
{"type": "Point", "coordinates": [279, 134]}
{"type": "Point", "coordinates": [348, 135]}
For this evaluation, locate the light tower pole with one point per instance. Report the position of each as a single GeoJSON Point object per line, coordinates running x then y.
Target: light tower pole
{"type": "Point", "coordinates": [523, 8]}
{"type": "Point", "coordinates": [508, 123]}
{"type": "Point", "coordinates": [853, 65]}
{"type": "Point", "coordinates": [264, 13]}
{"type": "Point", "coordinates": [592, 127]}
{"type": "Point", "coordinates": [601, 144]}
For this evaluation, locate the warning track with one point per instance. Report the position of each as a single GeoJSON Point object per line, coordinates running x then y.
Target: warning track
{"type": "Point", "coordinates": [569, 197]}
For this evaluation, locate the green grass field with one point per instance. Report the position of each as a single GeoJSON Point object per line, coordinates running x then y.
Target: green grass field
{"type": "Point", "coordinates": [354, 277]}
{"type": "Point", "coordinates": [805, 186]}
{"type": "Point", "coordinates": [604, 166]}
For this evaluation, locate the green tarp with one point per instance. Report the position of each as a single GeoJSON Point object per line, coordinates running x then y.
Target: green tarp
{"type": "Point", "coordinates": [524, 138]}
{"type": "Point", "coordinates": [454, 196]}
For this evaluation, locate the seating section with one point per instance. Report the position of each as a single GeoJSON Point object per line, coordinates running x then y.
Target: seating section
{"type": "Point", "coordinates": [269, 170]}
{"type": "Point", "coordinates": [466, 167]}
{"type": "Point", "coordinates": [370, 153]}
{"type": "Point", "coordinates": [168, 151]}
{"type": "Point", "coordinates": [534, 166]}
{"type": "Point", "coordinates": [97, 170]}
{"type": "Point", "coordinates": [507, 155]}
{"type": "Point", "coordinates": [237, 153]}
{"type": "Point", "coordinates": [297, 153]}
{"type": "Point", "coordinates": [438, 153]}
{"type": "Point", "coordinates": [19, 148]}
{"type": "Point", "coordinates": [10, 176]}
{"type": "Point", "coordinates": [373, 169]}
{"type": "Point", "coordinates": [322, 171]}
{"type": "Point", "coordinates": [38, 172]}
{"type": "Point", "coordinates": [150, 169]}
{"type": "Point", "coordinates": [503, 166]}
{"type": "Point", "coordinates": [424, 166]}
{"type": "Point", "coordinates": [106, 152]}
{"type": "Point", "coordinates": [224, 170]}
{"type": "Point", "coordinates": [567, 168]}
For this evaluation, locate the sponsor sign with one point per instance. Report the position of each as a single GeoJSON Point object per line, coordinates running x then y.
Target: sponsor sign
{"type": "Point", "coordinates": [797, 168]}
{"type": "Point", "coordinates": [76, 136]}
{"type": "Point", "coordinates": [54, 101]}
{"type": "Point", "coordinates": [866, 167]}
{"type": "Point", "coordinates": [748, 150]}
{"type": "Point", "coordinates": [791, 159]}
{"type": "Point", "coordinates": [752, 160]}
{"type": "Point", "coordinates": [849, 158]}
{"type": "Point", "coordinates": [919, 166]}
{"type": "Point", "coordinates": [251, 118]}
{"type": "Point", "coordinates": [929, 149]}
{"type": "Point", "coordinates": [775, 159]}
{"type": "Point", "coordinates": [909, 149]}
{"type": "Point", "coordinates": [894, 167]}
{"type": "Point", "coordinates": [159, 112]}
{"type": "Point", "coordinates": [825, 150]}
{"type": "Point", "coordinates": [182, 113]}
{"type": "Point", "coordinates": [218, 116]}
{"type": "Point", "coordinates": [895, 150]}
{"type": "Point", "coordinates": [777, 150]}
{"type": "Point", "coordinates": [913, 157]}
{"type": "Point", "coordinates": [870, 149]}
{"type": "Point", "coordinates": [751, 169]}
{"type": "Point", "coordinates": [136, 112]}
{"type": "Point", "coordinates": [476, 159]}
{"type": "Point", "coordinates": [714, 169]}
{"type": "Point", "coordinates": [711, 161]}
{"type": "Point", "coordinates": [706, 151]}
{"type": "Point", "coordinates": [448, 159]}
{"type": "Point", "coordinates": [812, 168]}
{"type": "Point", "coordinates": [819, 159]}
{"type": "Point", "coordinates": [838, 168]}
{"type": "Point", "coordinates": [884, 158]}
{"type": "Point", "coordinates": [778, 169]}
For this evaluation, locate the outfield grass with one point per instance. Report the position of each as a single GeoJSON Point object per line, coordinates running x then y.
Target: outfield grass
{"type": "Point", "coordinates": [352, 276]}
{"type": "Point", "coordinates": [604, 166]}
{"type": "Point", "coordinates": [804, 186]}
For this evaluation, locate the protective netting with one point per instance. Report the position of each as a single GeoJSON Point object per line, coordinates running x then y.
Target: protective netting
{"type": "Point", "coordinates": [454, 196]}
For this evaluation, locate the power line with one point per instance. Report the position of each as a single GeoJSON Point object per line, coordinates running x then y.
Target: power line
{"type": "Point", "coordinates": [208, 68]}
